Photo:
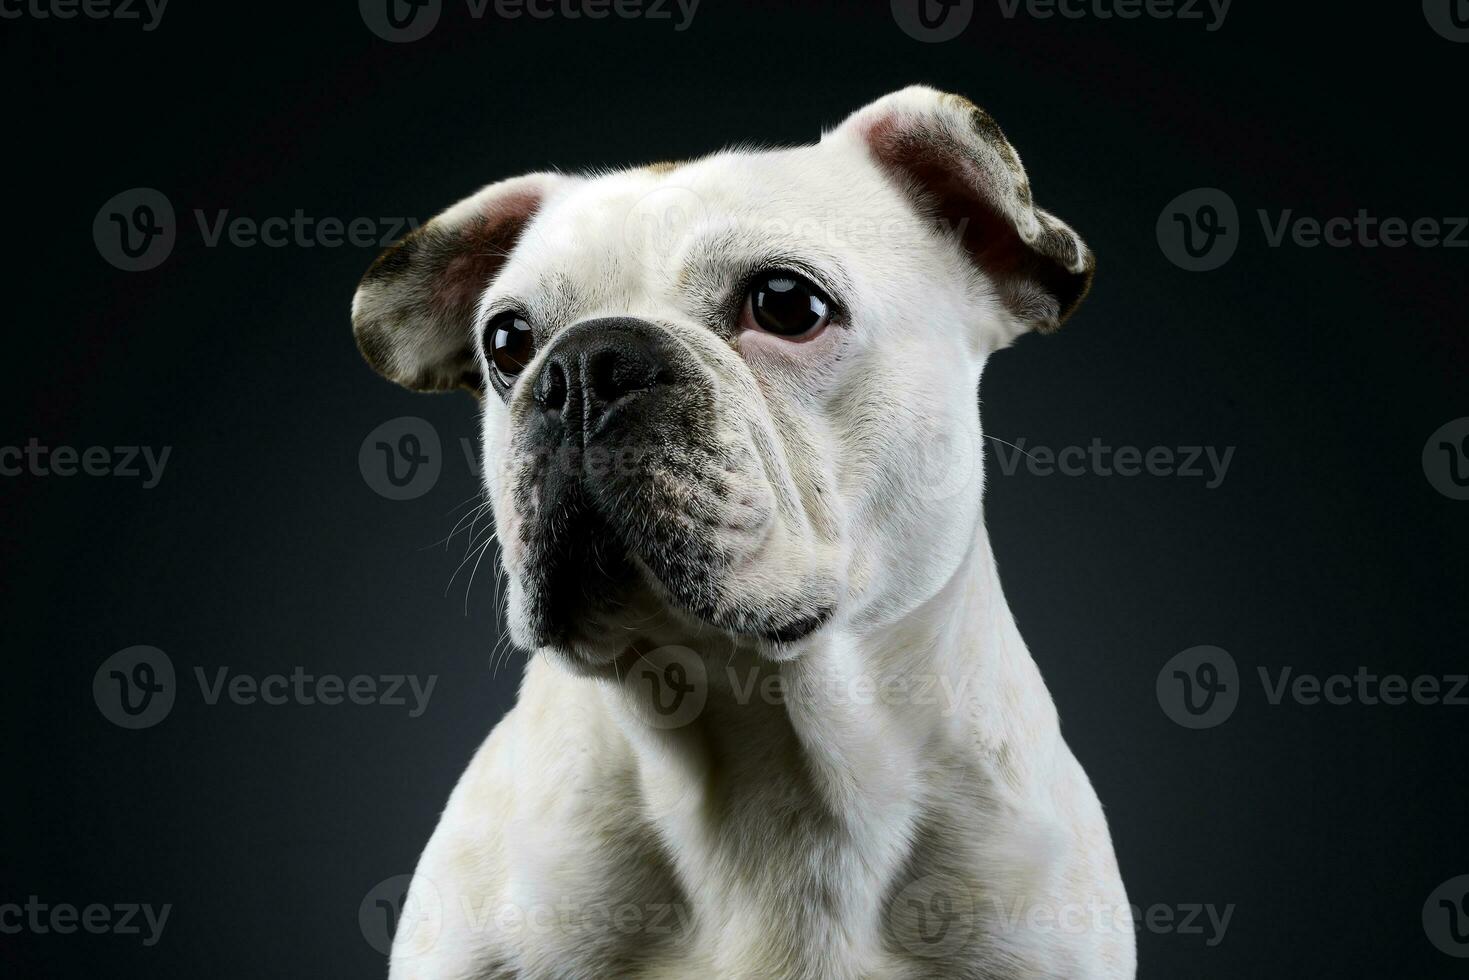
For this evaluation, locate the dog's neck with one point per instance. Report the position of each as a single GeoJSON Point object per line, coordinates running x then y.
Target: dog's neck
{"type": "Point", "coordinates": [842, 763]}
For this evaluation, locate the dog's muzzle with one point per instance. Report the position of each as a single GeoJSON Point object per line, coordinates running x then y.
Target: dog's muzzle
{"type": "Point", "coordinates": [605, 404]}
{"type": "Point", "coordinates": [632, 506]}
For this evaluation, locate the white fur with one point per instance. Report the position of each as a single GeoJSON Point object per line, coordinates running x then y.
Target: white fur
{"type": "Point", "coordinates": [785, 839]}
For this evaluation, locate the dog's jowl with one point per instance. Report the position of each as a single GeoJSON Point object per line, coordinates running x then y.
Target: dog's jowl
{"type": "Point", "coordinates": [777, 720]}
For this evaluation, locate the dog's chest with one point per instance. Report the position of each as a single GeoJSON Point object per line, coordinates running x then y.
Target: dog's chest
{"type": "Point", "coordinates": [739, 857]}
{"type": "Point", "coordinates": [799, 902]}
{"type": "Point", "coordinates": [924, 936]}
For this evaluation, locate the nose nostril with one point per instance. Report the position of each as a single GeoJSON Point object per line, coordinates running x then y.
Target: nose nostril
{"type": "Point", "coordinates": [614, 373]}
{"type": "Point", "coordinates": [553, 387]}
{"type": "Point", "coordinates": [601, 379]}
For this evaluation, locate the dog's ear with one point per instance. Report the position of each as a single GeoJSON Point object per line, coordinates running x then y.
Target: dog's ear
{"type": "Point", "coordinates": [414, 309]}
{"type": "Point", "coordinates": [952, 158]}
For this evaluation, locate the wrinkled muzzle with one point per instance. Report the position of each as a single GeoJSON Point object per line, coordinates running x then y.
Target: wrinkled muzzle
{"type": "Point", "coordinates": [634, 499]}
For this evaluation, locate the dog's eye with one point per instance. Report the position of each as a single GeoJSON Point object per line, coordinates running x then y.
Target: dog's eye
{"type": "Point", "coordinates": [786, 305]}
{"type": "Point", "coordinates": [510, 344]}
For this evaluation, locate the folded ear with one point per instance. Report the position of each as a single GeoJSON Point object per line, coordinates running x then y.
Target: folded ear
{"type": "Point", "coordinates": [952, 158]}
{"type": "Point", "coordinates": [414, 309]}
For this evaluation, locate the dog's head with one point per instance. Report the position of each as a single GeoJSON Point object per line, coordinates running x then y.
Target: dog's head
{"type": "Point", "coordinates": [737, 394]}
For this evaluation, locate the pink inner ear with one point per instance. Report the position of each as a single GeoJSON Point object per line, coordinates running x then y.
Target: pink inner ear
{"type": "Point", "coordinates": [953, 188]}
{"type": "Point", "coordinates": [479, 247]}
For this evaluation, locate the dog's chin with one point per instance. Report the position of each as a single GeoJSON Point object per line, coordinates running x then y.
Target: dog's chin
{"type": "Point", "coordinates": [602, 640]}
{"type": "Point", "coordinates": [613, 621]}
{"type": "Point", "coordinates": [594, 638]}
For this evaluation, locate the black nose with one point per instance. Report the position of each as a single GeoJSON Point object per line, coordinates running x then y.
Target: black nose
{"type": "Point", "coordinates": [598, 366]}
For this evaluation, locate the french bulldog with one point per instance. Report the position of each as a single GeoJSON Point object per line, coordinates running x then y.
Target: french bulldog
{"type": "Point", "coordinates": [776, 720]}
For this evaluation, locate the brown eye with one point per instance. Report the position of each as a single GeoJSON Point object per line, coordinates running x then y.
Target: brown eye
{"type": "Point", "coordinates": [510, 344]}
{"type": "Point", "coordinates": [786, 305]}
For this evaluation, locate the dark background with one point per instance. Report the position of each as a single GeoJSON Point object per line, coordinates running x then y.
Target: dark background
{"type": "Point", "coordinates": [263, 548]}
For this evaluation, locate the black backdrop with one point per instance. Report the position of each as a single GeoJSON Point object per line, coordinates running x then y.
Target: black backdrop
{"type": "Point", "coordinates": [1332, 544]}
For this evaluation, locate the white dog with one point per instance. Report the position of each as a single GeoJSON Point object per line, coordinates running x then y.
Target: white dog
{"type": "Point", "coordinates": [778, 721]}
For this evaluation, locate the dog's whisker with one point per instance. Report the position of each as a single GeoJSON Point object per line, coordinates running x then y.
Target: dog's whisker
{"type": "Point", "coordinates": [473, 553]}
{"type": "Point", "coordinates": [472, 517]}
{"type": "Point", "coordinates": [1011, 445]}
{"type": "Point", "coordinates": [482, 551]}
